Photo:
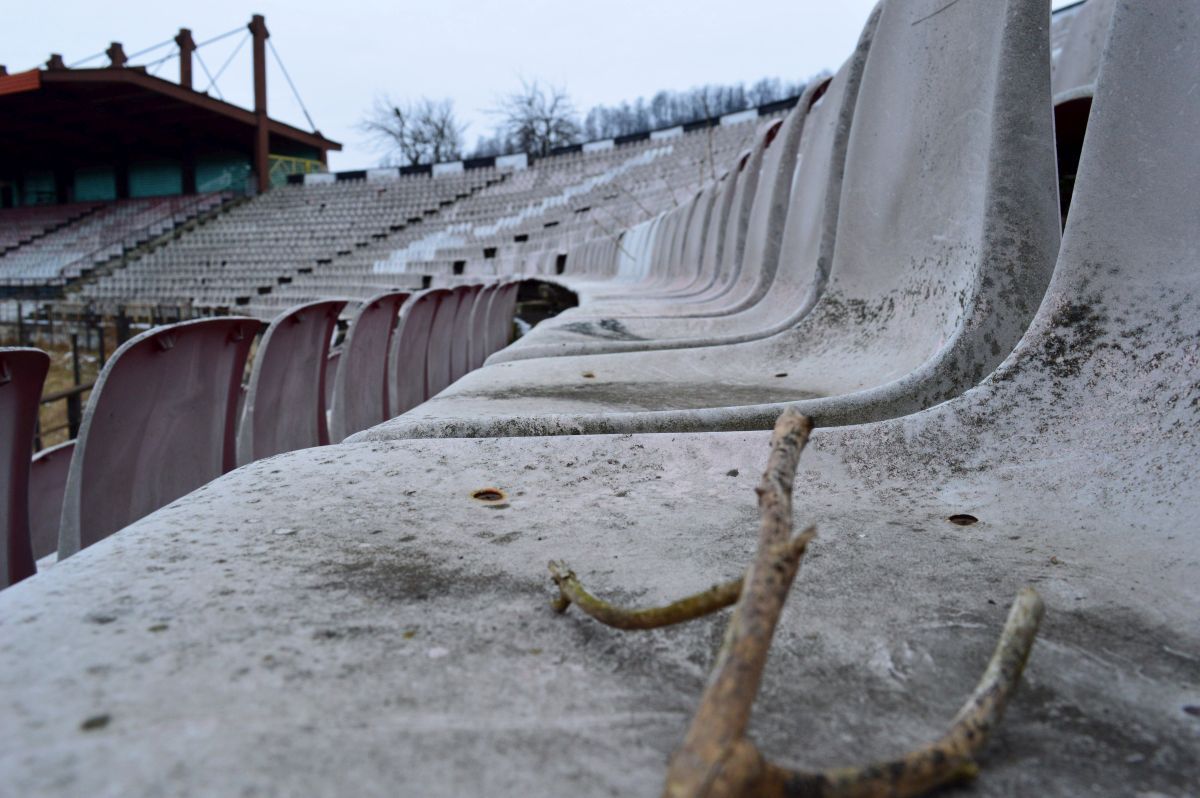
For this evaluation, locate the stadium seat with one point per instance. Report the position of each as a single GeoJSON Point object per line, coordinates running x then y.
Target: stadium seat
{"type": "Point", "coordinates": [781, 257]}
{"type": "Point", "coordinates": [47, 484]}
{"type": "Point", "coordinates": [410, 350]}
{"type": "Point", "coordinates": [160, 422]}
{"type": "Point", "coordinates": [360, 395]}
{"type": "Point", "coordinates": [942, 251]}
{"type": "Point", "coordinates": [500, 316]}
{"type": "Point", "coordinates": [460, 354]}
{"type": "Point", "coordinates": [285, 398]}
{"type": "Point", "coordinates": [1077, 38]}
{"type": "Point", "coordinates": [438, 362]}
{"type": "Point", "coordinates": [22, 372]}
{"type": "Point", "coordinates": [480, 339]}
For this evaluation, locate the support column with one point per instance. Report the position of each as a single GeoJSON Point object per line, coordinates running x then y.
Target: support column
{"type": "Point", "coordinates": [258, 29]}
{"type": "Point", "coordinates": [187, 46]}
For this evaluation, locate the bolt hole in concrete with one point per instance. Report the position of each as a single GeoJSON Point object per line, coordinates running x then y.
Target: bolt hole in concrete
{"type": "Point", "coordinates": [489, 495]}
{"type": "Point", "coordinates": [962, 519]}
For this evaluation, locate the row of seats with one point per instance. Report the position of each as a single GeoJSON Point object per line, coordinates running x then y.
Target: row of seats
{"type": "Point", "coordinates": [102, 232]}
{"type": "Point", "coordinates": [19, 226]}
{"type": "Point", "coordinates": [271, 240]}
{"type": "Point", "coordinates": [1001, 401]}
{"type": "Point", "coordinates": [169, 412]}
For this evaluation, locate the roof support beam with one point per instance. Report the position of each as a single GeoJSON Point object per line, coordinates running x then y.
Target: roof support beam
{"type": "Point", "coordinates": [258, 29]}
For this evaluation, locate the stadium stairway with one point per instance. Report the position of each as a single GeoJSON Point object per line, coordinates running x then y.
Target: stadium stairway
{"type": "Point", "coordinates": [372, 617]}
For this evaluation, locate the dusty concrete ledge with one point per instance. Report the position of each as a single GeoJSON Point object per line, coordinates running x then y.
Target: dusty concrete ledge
{"type": "Point", "coordinates": [348, 620]}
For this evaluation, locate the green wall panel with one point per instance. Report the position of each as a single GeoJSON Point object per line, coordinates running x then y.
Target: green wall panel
{"type": "Point", "coordinates": [38, 189]}
{"type": "Point", "coordinates": [95, 183]}
{"type": "Point", "coordinates": [155, 179]}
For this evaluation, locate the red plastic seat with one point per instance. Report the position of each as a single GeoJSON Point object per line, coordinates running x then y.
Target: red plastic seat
{"type": "Point", "coordinates": [22, 372]}
{"type": "Point", "coordinates": [159, 424]}
{"type": "Point", "coordinates": [285, 399]}
{"type": "Point", "coordinates": [360, 392]}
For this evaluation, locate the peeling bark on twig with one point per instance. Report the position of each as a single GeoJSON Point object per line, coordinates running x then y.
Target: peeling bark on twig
{"type": "Point", "coordinates": [571, 592]}
{"type": "Point", "coordinates": [951, 758]}
{"type": "Point", "coordinates": [716, 759]}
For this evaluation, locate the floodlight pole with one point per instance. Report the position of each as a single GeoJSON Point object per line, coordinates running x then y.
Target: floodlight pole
{"type": "Point", "coordinates": [258, 29]}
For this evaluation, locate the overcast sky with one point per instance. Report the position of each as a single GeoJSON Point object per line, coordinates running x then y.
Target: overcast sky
{"type": "Point", "coordinates": [342, 54]}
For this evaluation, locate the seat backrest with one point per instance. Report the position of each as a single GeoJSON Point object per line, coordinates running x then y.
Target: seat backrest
{"type": "Point", "coordinates": [460, 352]}
{"type": "Point", "coordinates": [809, 229]}
{"type": "Point", "coordinates": [500, 316]}
{"type": "Point", "coordinates": [684, 219]}
{"type": "Point", "coordinates": [47, 485]}
{"type": "Point", "coordinates": [747, 170]}
{"type": "Point", "coordinates": [22, 373]}
{"type": "Point", "coordinates": [948, 225]}
{"type": "Point", "coordinates": [440, 351]}
{"type": "Point", "coordinates": [714, 239]}
{"type": "Point", "coordinates": [478, 344]}
{"type": "Point", "coordinates": [159, 423]}
{"type": "Point", "coordinates": [332, 360]}
{"type": "Point", "coordinates": [1115, 347]}
{"type": "Point", "coordinates": [360, 393]}
{"type": "Point", "coordinates": [407, 381]}
{"type": "Point", "coordinates": [1077, 37]}
{"type": "Point", "coordinates": [285, 398]}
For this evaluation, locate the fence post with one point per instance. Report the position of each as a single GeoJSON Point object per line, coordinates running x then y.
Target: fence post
{"type": "Point", "coordinates": [122, 326]}
{"type": "Point", "coordinates": [20, 325]}
{"type": "Point", "coordinates": [100, 341]}
{"type": "Point", "coordinates": [74, 414]}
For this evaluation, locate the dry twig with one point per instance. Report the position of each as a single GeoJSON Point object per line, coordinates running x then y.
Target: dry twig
{"type": "Point", "coordinates": [716, 759]}
{"type": "Point", "coordinates": [571, 592]}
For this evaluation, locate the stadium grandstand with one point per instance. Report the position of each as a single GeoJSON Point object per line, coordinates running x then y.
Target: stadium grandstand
{"type": "Point", "coordinates": [289, 535]}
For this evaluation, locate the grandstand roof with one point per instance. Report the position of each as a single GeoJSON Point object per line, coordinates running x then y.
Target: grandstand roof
{"type": "Point", "coordinates": [52, 116]}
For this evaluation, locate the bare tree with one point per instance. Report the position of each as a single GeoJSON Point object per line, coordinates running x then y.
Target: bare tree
{"type": "Point", "coordinates": [536, 119]}
{"type": "Point", "coordinates": [421, 132]}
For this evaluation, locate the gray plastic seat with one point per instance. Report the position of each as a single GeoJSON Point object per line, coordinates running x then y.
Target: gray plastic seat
{"type": "Point", "coordinates": [360, 394]}
{"type": "Point", "coordinates": [160, 422]}
{"type": "Point", "coordinates": [47, 485]}
{"type": "Point", "coordinates": [741, 250]}
{"type": "Point", "coordinates": [790, 230]}
{"type": "Point", "coordinates": [1077, 459]}
{"type": "Point", "coordinates": [1077, 37]}
{"type": "Point", "coordinates": [22, 373]}
{"type": "Point", "coordinates": [947, 231]}
{"type": "Point", "coordinates": [285, 397]}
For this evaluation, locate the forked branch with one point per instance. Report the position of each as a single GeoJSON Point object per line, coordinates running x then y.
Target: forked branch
{"type": "Point", "coordinates": [717, 759]}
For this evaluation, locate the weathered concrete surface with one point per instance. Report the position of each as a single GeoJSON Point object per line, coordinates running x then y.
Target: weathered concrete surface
{"type": "Point", "coordinates": [349, 620]}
